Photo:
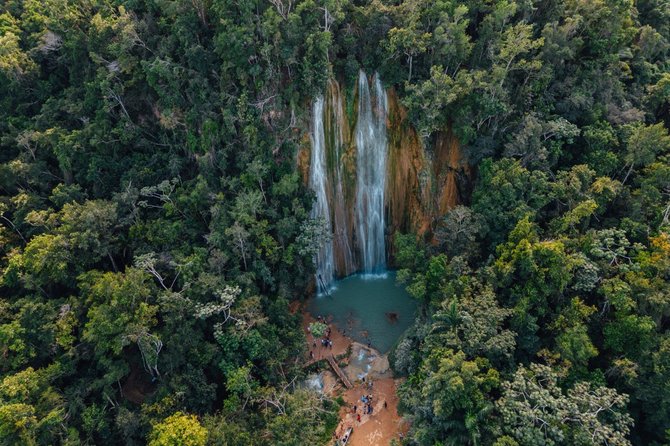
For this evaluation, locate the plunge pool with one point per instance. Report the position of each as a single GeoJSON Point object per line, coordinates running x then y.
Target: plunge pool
{"type": "Point", "coordinates": [369, 308]}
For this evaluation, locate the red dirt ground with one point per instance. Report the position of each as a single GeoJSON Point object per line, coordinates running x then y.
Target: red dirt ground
{"type": "Point", "coordinates": [378, 428]}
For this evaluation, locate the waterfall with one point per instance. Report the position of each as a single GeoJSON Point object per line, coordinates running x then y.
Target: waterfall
{"type": "Point", "coordinates": [348, 175]}
{"type": "Point", "coordinates": [335, 131]}
{"type": "Point", "coordinates": [318, 181]}
{"type": "Point", "coordinates": [371, 145]}
{"type": "Point", "coordinates": [372, 176]}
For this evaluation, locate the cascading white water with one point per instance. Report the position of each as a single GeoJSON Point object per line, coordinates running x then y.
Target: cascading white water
{"type": "Point", "coordinates": [340, 228]}
{"type": "Point", "coordinates": [371, 147]}
{"type": "Point", "coordinates": [318, 179]}
{"type": "Point", "coordinates": [327, 180]}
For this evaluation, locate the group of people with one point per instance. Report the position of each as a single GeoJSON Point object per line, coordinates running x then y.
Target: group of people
{"type": "Point", "coordinates": [325, 341]}
{"type": "Point", "coordinates": [367, 407]}
{"type": "Point", "coordinates": [367, 404]}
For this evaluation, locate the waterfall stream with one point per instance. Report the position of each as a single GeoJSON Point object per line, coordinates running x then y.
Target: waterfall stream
{"type": "Point", "coordinates": [318, 181]}
{"type": "Point", "coordinates": [371, 147]}
{"type": "Point", "coordinates": [335, 128]}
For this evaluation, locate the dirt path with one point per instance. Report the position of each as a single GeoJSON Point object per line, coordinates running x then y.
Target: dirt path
{"type": "Point", "coordinates": [378, 428]}
{"type": "Point", "coordinates": [384, 423]}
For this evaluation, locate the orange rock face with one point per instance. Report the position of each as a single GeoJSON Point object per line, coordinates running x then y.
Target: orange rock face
{"type": "Point", "coordinates": [303, 159]}
{"type": "Point", "coordinates": [448, 163]}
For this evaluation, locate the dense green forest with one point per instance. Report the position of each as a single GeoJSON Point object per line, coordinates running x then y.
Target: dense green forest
{"type": "Point", "coordinates": [155, 227]}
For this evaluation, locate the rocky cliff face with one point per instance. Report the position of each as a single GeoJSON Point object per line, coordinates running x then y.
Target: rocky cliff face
{"type": "Point", "coordinates": [421, 183]}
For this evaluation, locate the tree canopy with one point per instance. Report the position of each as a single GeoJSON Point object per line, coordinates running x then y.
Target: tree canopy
{"type": "Point", "coordinates": [155, 227]}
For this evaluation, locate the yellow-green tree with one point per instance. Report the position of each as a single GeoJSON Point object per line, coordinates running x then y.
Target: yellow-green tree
{"type": "Point", "coordinates": [178, 429]}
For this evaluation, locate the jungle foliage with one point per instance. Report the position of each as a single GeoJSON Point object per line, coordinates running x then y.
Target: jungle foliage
{"type": "Point", "coordinates": [546, 298]}
{"type": "Point", "coordinates": [155, 228]}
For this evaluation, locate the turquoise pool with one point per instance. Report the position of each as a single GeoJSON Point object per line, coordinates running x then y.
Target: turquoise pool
{"type": "Point", "coordinates": [369, 308]}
